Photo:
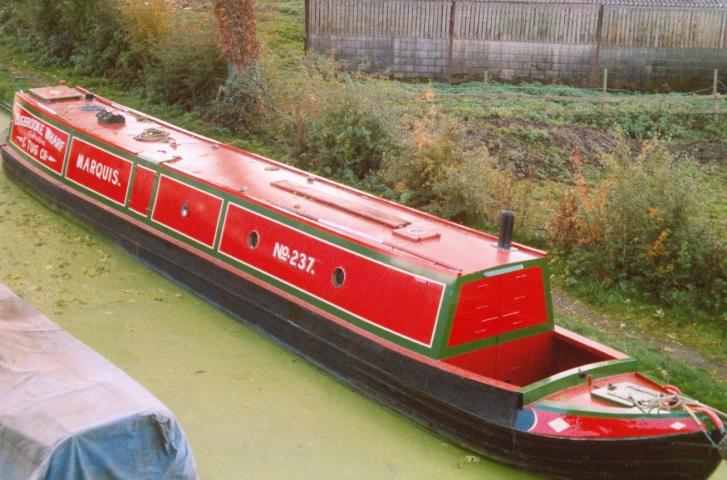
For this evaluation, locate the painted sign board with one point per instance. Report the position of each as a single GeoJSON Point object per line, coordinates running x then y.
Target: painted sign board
{"type": "Point", "coordinates": [40, 140]}
{"type": "Point", "coordinates": [99, 170]}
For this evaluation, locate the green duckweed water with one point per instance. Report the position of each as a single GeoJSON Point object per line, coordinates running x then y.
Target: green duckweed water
{"type": "Point", "coordinates": [251, 409]}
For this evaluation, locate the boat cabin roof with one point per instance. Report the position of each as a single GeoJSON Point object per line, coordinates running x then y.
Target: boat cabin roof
{"type": "Point", "coordinates": [371, 221]}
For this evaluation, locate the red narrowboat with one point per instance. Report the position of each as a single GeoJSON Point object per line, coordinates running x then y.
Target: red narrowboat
{"type": "Point", "coordinates": [450, 326]}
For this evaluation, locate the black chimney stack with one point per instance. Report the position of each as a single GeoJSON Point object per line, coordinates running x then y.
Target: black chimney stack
{"type": "Point", "coordinates": [507, 220]}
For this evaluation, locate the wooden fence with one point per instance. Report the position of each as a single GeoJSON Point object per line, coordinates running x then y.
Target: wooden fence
{"type": "Point", "coordinates": [629, 26]}
{"type": "Point", "coordinates": [647, 48]}
{"type": "Point", "coordinates": [523, 22]}
{"type": "Point", "coordinates": [397, 18]}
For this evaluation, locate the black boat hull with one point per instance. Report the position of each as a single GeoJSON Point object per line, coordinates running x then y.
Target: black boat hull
{"type": "Point", "coordinates": [475, 415]}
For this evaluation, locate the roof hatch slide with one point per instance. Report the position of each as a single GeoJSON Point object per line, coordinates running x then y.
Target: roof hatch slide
{"type": "Point", "coordinates": [56, 94]}
{"type": "Point", "coordinates": [312, 193]}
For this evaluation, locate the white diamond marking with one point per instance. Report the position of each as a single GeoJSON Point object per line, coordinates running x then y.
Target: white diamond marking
{"type": "Point", "coordinates": [677, 425]}
{"type": "Point", "coordinates": [559, 424]}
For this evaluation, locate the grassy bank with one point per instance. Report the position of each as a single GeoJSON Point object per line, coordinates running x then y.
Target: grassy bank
{"type": "Point", "coordinates": [631, 199]}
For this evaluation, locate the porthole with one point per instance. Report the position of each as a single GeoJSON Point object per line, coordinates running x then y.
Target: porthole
{"type": "Point", "coordinates": [339, 276]}
{"type": "Point", "coordinates": [253, 239]}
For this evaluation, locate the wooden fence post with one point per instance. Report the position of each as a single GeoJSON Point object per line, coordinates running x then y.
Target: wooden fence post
{"type": "Point", "coordinates": [485, 82]}
{"type": "Point", "coordinates": [715, 92]}
{"type": "Point", "coordinates": [604, 90]}
{"type": "Point", "coordinates": [452, 12]}
{"type": "Point", "coordinates": [599, 36]}
{"type": "Point", "coordinates": [306, 44]}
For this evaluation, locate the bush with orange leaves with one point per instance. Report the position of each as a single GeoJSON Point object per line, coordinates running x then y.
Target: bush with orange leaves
{"type": "Point", "coordinates": [434, 172]}
{"type": "Point", "coordinates": [642, 228]}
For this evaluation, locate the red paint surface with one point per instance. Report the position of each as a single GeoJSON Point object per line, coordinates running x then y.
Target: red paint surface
{"type": "Point", "coordinates": [99, 170]}
{"type": "Point", "coordinates": [379, 294]}
{"type": "Point", "coordinates": [528, 359]}
{"type": "Point", "coordinates": [142, 190]}
{"type": "Point", "coordinates": [456, 250]}
{"type": "Point", "coordinates": [43, 142]}
{"type": "Point", "coordinates": [605, 427]}
{"type": "Point", "coordinates": [499, 304]}
{"type": "Point", "coordinates": [200, 224]}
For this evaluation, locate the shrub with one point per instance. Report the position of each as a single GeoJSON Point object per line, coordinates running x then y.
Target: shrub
{"type": "Point", "coordinates": [330, 122]}
{"type": "Point", "coordinates": [144, 24]}
{"type": "Point", "coordinates": [643, 228]}
{"type": "Point", "coordinates": [187, 66]}
{"type": "Point", "coordinates": [435, 172]}
{"type": "Point", "coordinates": [244, 104]}
{"type": "Point", "coordinates": [348, 141]}
{"type": "Point", "coordinates": [101, 37]}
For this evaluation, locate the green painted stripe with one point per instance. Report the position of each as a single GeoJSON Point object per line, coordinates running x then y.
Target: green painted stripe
{"type": "Point", "coordinates": [576, 376]}
{"type": "Point", "coordinates": [502, 271]}
{"type": "Point", "coordinates": [606, 412]}
{"type": "Point", "coordinates": [153, 198]}
{"type": "Point", "coordinates": [221, 224]}
{"type": "Point", "coordinates": [450, 352]}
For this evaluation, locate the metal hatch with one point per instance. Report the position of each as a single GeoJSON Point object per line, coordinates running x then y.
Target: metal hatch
{"type": "Point", "coordinates": [340, 203]}
{"type": "Point", "coordinates": [629, 394]}
{"type": "Point", "coordinates": [55, 94]}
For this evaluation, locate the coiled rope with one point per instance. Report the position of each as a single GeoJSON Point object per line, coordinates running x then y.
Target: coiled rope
{"type": "Point", "coordinates": [675, 400]}
{"type": "Point", "coordinates": [155, 135]}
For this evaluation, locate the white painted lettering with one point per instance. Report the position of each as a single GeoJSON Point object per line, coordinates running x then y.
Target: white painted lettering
{"type": "Point", "coordinates": [98, 169]}
{"type": "Point", "coordinates": [294, 258]}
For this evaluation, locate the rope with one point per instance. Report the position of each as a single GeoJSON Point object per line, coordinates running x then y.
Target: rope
{"type": "Point", "coordinates": [155, 135]}
{"type": "Point", "coordinates": [674, 400]}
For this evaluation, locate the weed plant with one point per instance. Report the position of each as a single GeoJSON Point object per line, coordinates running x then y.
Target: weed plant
{"type": "Point", "coordinates": [643, 228]}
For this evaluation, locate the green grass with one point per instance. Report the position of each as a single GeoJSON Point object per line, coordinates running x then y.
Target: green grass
{"type": "Point", "coordinates": [693, 329]}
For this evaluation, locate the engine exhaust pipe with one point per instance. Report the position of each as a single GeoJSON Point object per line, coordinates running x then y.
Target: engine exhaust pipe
{"type": "Point", "coordinates": [507, 221]}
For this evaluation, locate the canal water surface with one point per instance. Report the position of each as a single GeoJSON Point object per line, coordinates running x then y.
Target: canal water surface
{"type": "Point", "coordinates": [251, 409]}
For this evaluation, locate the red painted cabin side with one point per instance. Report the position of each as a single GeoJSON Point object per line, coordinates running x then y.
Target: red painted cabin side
{"type": "Point", "coordinates": [489, 306]}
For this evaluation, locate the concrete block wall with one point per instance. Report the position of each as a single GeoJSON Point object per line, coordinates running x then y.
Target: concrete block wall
{"type": "Point", "coordinates": [684, 69]}
{"type": "Point", "coordinates": [573, 64]}
{"type": "Point", "coordinates": [398, 57]}
{"type": "Point", "coordinates": [524, 61]}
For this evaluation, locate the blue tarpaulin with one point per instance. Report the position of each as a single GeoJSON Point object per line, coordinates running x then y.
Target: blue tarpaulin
{"type": "Point", "coordinates": [67, 413]}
